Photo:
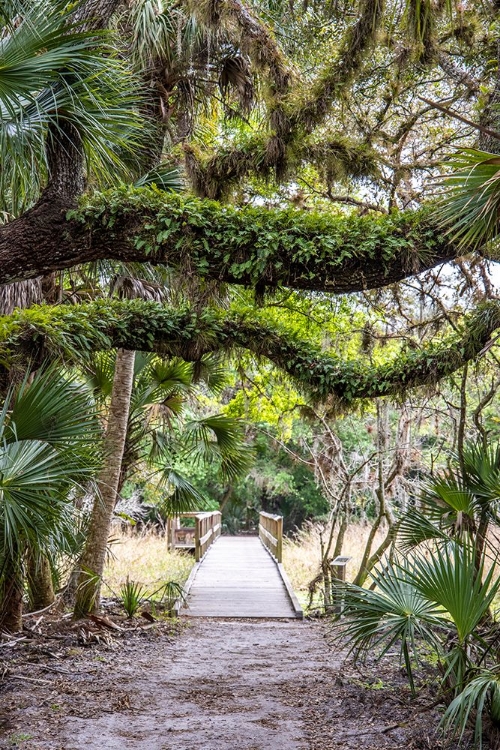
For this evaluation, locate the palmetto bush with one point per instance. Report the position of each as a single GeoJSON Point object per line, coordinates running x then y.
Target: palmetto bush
{"type": "Point", "coordinates": [49, 439]}
{"type": "Point", "coordinates": [439, 592]}
{"type": "Point", "coordinates": [438, 601]}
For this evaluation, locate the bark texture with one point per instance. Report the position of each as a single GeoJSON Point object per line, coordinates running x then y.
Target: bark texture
{"type": "Point", "coordinates": [94, 555]}
{"type": "Point", "coordinates": [41, 589]}
{"type": "Point", "coordinates": [11, 595]}
{"type": "Point", "coordinates": [43, 240]}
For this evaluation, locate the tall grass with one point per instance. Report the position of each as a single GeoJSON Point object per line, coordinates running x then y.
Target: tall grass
{"type": "Point", "coordinates": [302, 556]}
{"type": "Point", "coordinates": [144, 558]}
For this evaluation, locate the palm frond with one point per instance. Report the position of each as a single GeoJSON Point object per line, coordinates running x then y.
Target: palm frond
{"type": "Point", "coordinates": [181, 496]}
{"type": "Point", "coordinates": [449, 578]}
{"type": "Point", "coordinates": [219, 438]}
{"type": "Point", "coordinates": [416, 528]}
{"type": "Point", "coordinates": [481, 694]}
{"type": "Point", "coordinates": [52, 73]}
{"type": "Point", "coordinates": [211, 370]}
{"type": "Point", "coordinates": [165, 177]}
{"type": "Point", "coordinates": [394, 613]}
{"type": "Point", "coordinates": [469, 206]}
{"type": "Point", "coordinates": [55, 409]}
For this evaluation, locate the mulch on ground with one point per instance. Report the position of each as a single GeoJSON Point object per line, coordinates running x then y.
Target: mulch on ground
{"type": "Point", "coordinates": [208, 684]}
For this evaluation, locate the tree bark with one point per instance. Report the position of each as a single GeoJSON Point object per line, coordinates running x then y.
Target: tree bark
{"type": "Point", "coordinates": [94, 555]}
{"type": "Point", "coordinates": [39, 575]}
{"type": "Point", "coordinates": [44, 240]}
{"type": "Point", "coordinates": [11, 595]}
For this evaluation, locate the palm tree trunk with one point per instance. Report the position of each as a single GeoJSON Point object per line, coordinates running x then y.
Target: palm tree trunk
{"type": "Point", "coordinates": [39, 575]}
{"type": "Point", "coordinates": [94, 554]}
{"type": "Point", "coordinates": [11, 595]}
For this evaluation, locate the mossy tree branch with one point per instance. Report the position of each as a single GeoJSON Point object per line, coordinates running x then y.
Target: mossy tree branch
{"type": "Point", "coordinates": [148, 326]}
{"type": "Point", "coordinates": [252, 246]}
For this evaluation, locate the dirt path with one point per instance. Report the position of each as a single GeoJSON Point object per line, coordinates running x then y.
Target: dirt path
{"type": "Point", "coordinates": [219, 685]}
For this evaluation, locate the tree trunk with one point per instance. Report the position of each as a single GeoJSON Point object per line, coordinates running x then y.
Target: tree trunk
{"type": "Point", "coordinates": [11, 596]}
{"type": "Point", "coordinates": [94, 554]}
{"type": "Point", "coordinates": [41, 589]}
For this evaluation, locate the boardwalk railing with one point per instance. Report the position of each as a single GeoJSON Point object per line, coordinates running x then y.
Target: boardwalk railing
{"type": "Point", "coordinates": [200, 537]}
{"type": "Point", "coordinates": [207, 531]}
{"type": "Point", "coordinates": [271, 534]}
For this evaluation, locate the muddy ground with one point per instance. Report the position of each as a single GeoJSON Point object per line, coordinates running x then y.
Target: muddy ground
{"type": "Point", "coordinates": [203, 685]}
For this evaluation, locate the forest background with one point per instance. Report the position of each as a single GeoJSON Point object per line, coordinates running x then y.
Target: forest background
{"type": "Point", "coordinates": [247, 260]}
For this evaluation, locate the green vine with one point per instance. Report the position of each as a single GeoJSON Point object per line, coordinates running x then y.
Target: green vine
{"type": "Point", "coordinates": [258, 246]}
{"type": "Point", "coordinates": [73, 331]}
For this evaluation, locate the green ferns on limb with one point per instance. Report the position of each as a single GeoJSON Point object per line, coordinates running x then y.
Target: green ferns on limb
{"type": "Point", "coordinates": [252, 246]}
{"type": "Point", "coordinates": [149, 326]}
{"type": "Point", "coordinates": [258, 246]}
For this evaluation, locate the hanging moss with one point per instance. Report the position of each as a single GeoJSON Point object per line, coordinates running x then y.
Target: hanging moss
{"type": "Point", "coordinates": [336, 75]}
{"type": "Point", "coordinates": [74, 331]}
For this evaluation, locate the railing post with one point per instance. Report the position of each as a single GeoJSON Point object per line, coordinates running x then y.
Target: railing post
{"type": "Point", "coordinates": [197, 536]}
{"type": "Point", "coordinates": [279, 539]}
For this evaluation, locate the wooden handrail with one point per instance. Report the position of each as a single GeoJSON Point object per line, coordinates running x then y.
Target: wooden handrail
{"type": "Point", "coordinates": [207, 530]}
{"type": "Point", "coordinates": [271, 534]}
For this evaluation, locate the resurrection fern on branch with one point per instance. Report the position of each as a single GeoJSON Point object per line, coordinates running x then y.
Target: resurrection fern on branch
{"type": "Point", "coordinates": [149, 326]}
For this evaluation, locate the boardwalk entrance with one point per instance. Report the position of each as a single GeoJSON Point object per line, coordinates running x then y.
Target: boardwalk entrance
{"type": "Point", "coordinates": [238, 577]}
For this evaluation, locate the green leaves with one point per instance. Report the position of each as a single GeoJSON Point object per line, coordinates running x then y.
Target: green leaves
{"type": "Point", "coordinates": [220, 438]}
{"type": "Point", "coordinates": [448, 577]}
{"type": "Point", "coordinates": [148, 326]}
{"type": "Point", "coordinates": [48, 445]}
{"type": "Point", "coordinates": [53, 73]}
{"type": "Point", "coordinates": [252, 243]}
{"type": "Point", "coordinates": [469, 207]}
{"type": "Point", "coordinates": [396, 612]}
{"type": "Point", "coordinates": [480, 694]}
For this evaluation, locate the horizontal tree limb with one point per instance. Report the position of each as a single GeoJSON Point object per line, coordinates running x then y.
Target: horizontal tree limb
{"type": "Point", "coordinates": [148, 326]}
{"type": "Point", "coordinates": [252, 246]}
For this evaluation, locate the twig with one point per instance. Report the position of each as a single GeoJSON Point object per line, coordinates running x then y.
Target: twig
{"type": "Point", "coordinates": [39, 612]}
{"type": "Point", "coordinates": [28, 679]}
{"type": "Point", "coordinates": [13, 642]}
{"type": "Point", "coordinates": [55, 669]}
{"type": "Point", "coordinates": [456, 116]}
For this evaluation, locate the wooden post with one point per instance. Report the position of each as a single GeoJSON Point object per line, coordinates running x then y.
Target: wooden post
{"type": "Point", "coordinates": [197, 537]}
{"type": "Point", "coordinates": [339, 563]}
{"type": "Point", "coordinates": [279, 539]}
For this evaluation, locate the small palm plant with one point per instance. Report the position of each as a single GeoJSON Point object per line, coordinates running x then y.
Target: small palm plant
{"type": "Point", "coordinates": [132, 595]}
{"type": "Point", "coordinates": [48, 446]}
{"type": "Point", "coordinates": [440, 592]}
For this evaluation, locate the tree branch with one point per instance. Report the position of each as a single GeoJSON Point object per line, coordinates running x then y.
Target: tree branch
{"type": "Point", "coordinates": [148, 326]}
{"type": "Point", "coordinates": [250, 246]}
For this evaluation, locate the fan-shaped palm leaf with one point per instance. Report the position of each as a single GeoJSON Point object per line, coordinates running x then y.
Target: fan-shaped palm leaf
{"type": "Point", "coordinates": [416, 528]}
{"type": "Point", "coordinates": [53, 408]}
{"type": "Point", "coordinates": [181, 496]}
{"type": "Point", "coordinates": [219, 438]}
{"type": "Point", "coordinates": [165, 177]}
{"type": "Point", "coordinates": [469, 207]}
{"type": "Point", "coordinates": [449, 578]}
{"type": "Point", "coordinates": [480, 694]}
{"type": "Point", "coordinates": [51, 72]}
{"type": "Point", "coordinates": [395, 612]}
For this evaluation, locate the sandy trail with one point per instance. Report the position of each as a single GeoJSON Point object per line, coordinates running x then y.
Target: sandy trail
{"type": "Point", "coordinates": [218, 688]}
{"type": "Point", "coordinates": [217, 685]}
{"type": "Point", "coordinates": [221, 685]}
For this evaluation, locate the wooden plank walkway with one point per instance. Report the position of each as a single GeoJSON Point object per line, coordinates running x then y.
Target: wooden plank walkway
{"type": "Point", "coordinates": [238, 578]}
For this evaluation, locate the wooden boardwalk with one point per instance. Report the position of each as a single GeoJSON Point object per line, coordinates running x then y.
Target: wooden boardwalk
{"type": "Point", "coordinates": [239, 578]}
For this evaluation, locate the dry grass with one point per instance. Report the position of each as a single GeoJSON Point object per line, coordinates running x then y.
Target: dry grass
{"type": "Point", "coordinates": [301, 554]}
{"type": "Point", "coordinates": [144, 558]}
